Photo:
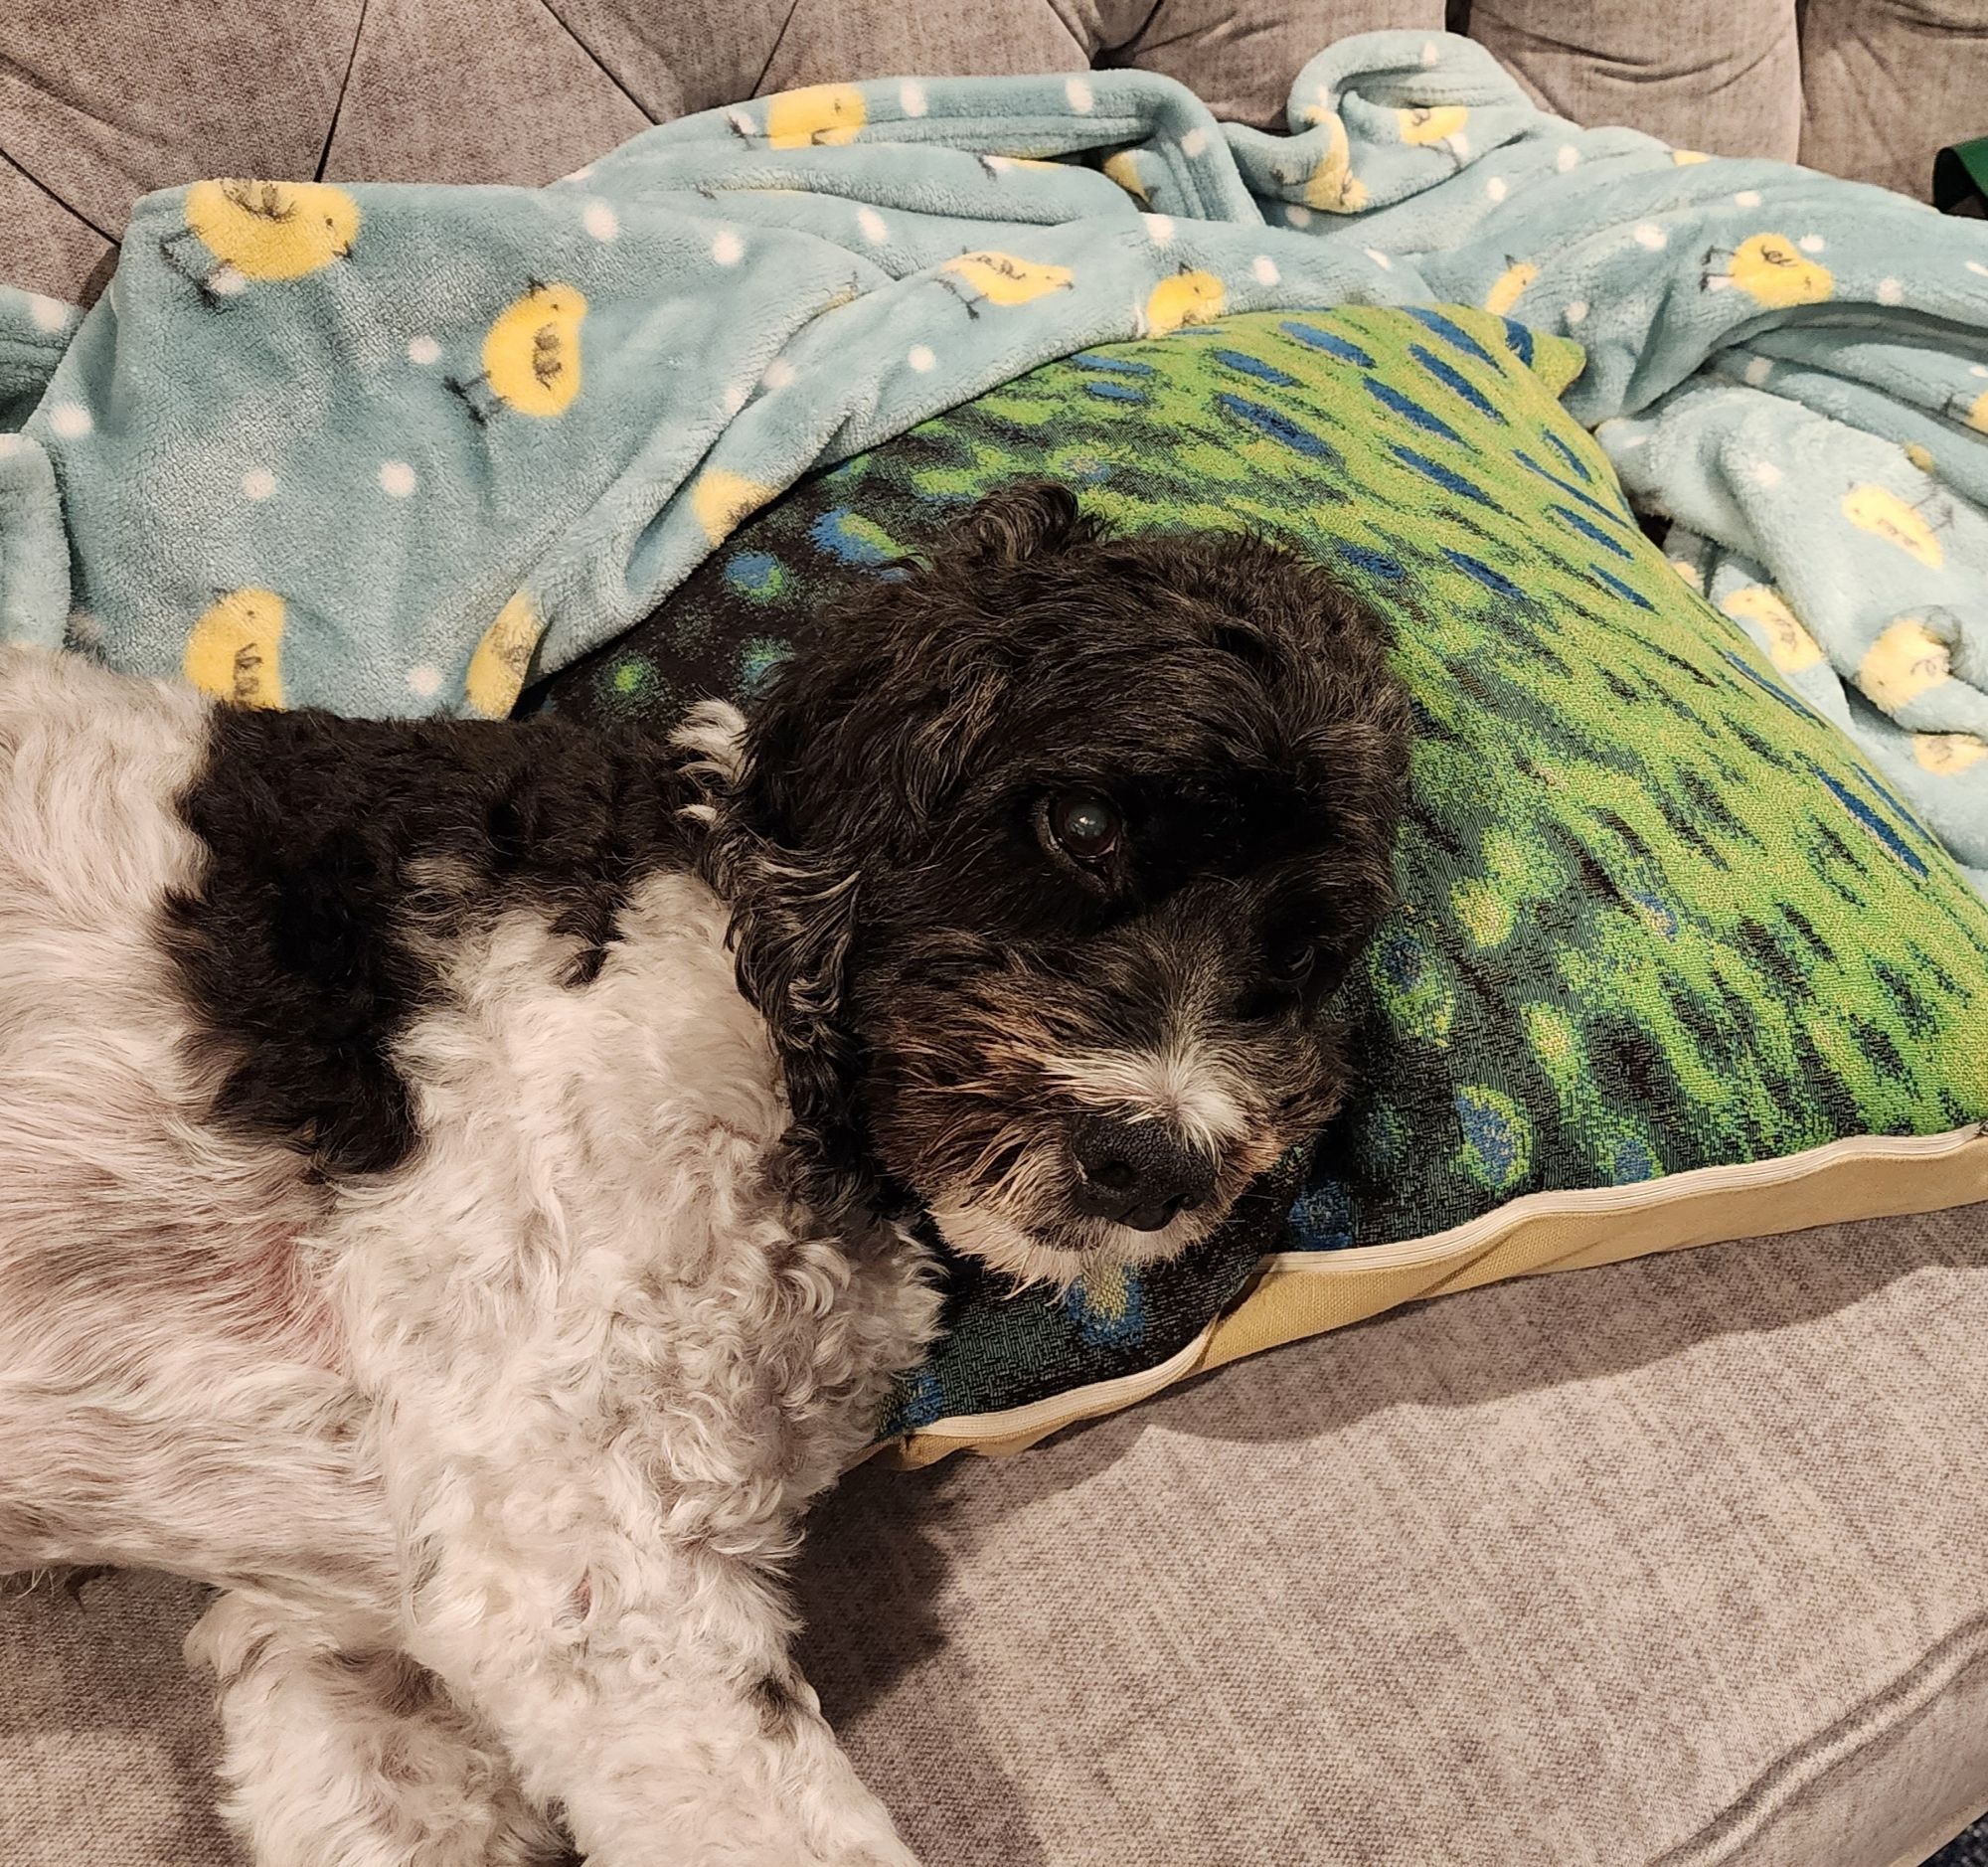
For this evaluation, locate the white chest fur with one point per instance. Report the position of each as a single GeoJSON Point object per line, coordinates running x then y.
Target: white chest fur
{"type": "Point", "coordinates": [590, 1231]}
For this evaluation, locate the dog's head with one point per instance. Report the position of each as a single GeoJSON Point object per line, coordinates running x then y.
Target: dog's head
{"type": "Point", "coordinates": [1044, 862]}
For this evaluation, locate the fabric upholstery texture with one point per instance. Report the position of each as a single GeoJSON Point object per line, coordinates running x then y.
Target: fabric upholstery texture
{"type": "Point", "coordinates": [101, 99]}
{"type": "Point", "coordinates": [1682, 1563]}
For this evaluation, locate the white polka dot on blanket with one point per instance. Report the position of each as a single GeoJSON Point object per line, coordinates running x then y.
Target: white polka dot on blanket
{"type": "Point", "coordinates": [1812, 242]}
{"type": "Point", "coordinates": [397, 478]}
{"type": "Point", "coordinates": [1759, 369]}
{"type": "Point", "coordinates": [777, 374]}
{"type": "Point", "coordinates": [424, 350]}
{"type": "Point", "coordinates": [1296, 216]}
{"type": "Point", "coordinates": [1746, 197]}
{"type": "Point", "coordinates": [1194, 143]}
{"type": "Point", "coordinates": [11, 444]}
{"type": "Point", "coordinates": [48, 315]}
{"type": "Point", "coordinates": [1429, 52]}
{"type": "Point", "coordinates": [1568, 157]}
{"type": "Point", "coordinates": [424, 680]}
{"type": "Point", "coordinates": [1380, 258]}
{"type": "Point", "coordinates": [920, 358]}
{"type": "Point", "coordinates": [1764, 473]}
{"type": "Point", "coordinates": [1975, 266]}
{"type": "Point", "coordinates": [1264, 269]}
{"type": "Point", "coordinates": [1079, 94]}
{"type": "Point", "coordinates": [1651, 236]}
{"type": "Point", "coordinates": [872, 223]}
{"type": "Point", "coordinates": [727, 249]}
{"type": "Point", "coordinates": [258, 483]}
{"type": "Point", "coordinates": [732, 399]}
{"type": "Point", "coordinates": [1497, 188]}
{"type": "Point", "coordinates": [71, 420]}
{"type": "Point", "coordinates": [600, 220]}
{"type": "Point", "coordinates": [1159, 227]}
{"type": "Point", "coordinates": [1576, 311]}
{"type": "Point", "coordinates": [912, 98]}
{"type": "Point", "coordinates": [1889, 292]}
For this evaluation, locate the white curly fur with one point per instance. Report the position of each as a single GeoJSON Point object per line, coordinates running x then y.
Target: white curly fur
{"type": "Point", "coordinates": [495, 1457]}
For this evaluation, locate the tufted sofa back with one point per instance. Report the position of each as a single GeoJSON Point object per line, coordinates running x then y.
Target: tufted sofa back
{"type": "Point", "coordinates": [103, 100]}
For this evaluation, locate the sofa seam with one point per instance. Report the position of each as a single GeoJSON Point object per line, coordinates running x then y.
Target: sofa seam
{"type": "Point", "coordinates": [74, 213]}
{"type": "Point", "coordinates": [595, 60]}
{"type": "Point", "coordinates": [343, 85]}
{"type": "Point", "coordinates": [773, 51]}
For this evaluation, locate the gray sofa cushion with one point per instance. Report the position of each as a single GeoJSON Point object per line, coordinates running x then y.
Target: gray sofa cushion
{"type": "Point", "coordinates": [1886, 83]}
{"type": "Point", "coordinates": [1677, 1564]}
{"type": "Point", "coordinates": [1721, 76]}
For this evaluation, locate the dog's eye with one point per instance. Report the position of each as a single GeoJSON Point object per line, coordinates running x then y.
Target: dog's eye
{"type": "Point", "coordinates": [1287, 970]}
{"type": "Point", "coordinates": [1289, 963]}
{"type": "Point", "coordinates": [1085, 826]}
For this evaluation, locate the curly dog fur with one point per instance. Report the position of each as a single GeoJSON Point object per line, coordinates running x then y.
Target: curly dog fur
{"type": "Point", "coordinates": [456, 1180]}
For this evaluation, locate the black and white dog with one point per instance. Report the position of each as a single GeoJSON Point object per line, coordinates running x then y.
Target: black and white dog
{"type": "Point", "coordinates": [453, 1177]}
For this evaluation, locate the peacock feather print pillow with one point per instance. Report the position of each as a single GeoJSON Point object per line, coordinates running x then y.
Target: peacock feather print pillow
{"type": "Point", "coordinates": [1670, 963]}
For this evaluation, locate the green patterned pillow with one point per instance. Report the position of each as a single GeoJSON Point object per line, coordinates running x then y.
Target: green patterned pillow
{"type": "Point", "coordinates": [1671, 962]}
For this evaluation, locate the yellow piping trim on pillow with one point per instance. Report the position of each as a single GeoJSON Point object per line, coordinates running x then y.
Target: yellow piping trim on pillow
{"type": "Point", "coordinates": [1300, 1293]}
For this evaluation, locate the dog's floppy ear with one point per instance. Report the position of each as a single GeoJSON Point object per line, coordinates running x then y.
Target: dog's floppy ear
{"type": "Point", "coordinates": [1027, 519]}
{"type": "Point", "coordinates": [792, 922]}
{"type": "Point", "coordinates": [793, 905]}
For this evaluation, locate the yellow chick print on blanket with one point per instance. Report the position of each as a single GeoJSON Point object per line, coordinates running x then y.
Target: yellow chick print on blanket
{"type": "Point", "coordinates": [821, 114]}
{"type": "Point", "coordinates": [1772, 270]}
{"type": "Point", "coordinates": [1973, 410]}
{"type": "Point", "coordinates": [239, 230]}
{"type": "Point", "coordinates": [1947, 754]}
{"type": "Point", "coordinates": [1332, 187]}
{"type": "Point", "coordinates": [1121, 169]}
{"type": "Point", "coordinates": [1001, 279]}
{"type": "Point", "coordinates": [1186, 298]}
{"type": "Point", "coordinates": [530, 356]}
{"type": "Point", "coordinates": [497, 667]}
{"type": "Point", "coordinates": [1880, 511]}
{"type": "Point", "coordinates": [1790, 647]}
{"type": "Point", "coordinates": [234, 649]}
{"type": "Point", "coordinates": [1902, 663]}
{"type": "Point", "coordinates": [1510, 286]}
{"type": "Point", "coordinates": [721, 499]}
{"type": "Point", "coordinates": [1426, 124]}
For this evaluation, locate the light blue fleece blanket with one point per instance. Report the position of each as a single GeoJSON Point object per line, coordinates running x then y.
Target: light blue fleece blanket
{"type": "Point", "coordinates": [395, 448]}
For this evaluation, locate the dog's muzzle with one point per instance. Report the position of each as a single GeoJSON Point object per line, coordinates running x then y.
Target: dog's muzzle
{"type": "Point", "coordinates": [1136, 1173]}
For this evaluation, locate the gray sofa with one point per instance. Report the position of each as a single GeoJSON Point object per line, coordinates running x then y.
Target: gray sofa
{"type": "Point", "coordinates": [1683, 1562]}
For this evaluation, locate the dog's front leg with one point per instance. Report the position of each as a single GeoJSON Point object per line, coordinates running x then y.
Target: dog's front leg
{"type": "Point", "coordinates": [638, 1677]}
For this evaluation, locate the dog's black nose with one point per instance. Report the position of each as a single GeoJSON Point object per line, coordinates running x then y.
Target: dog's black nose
{"type": "Point", "coordinates": [1137, 1174]}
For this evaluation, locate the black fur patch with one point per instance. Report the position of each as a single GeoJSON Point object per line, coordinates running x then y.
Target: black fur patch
{"type": "Point", "coordinates": [330, 840]}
